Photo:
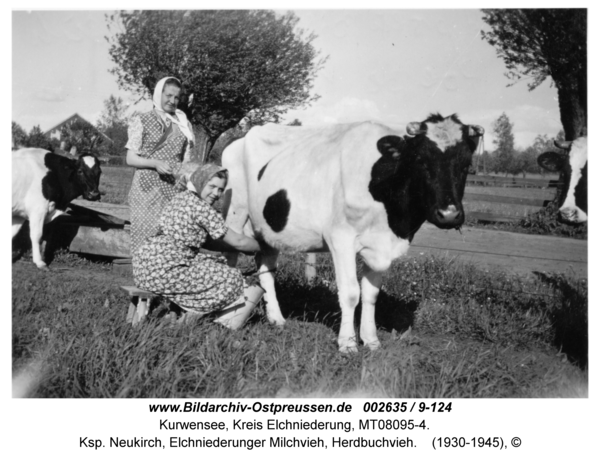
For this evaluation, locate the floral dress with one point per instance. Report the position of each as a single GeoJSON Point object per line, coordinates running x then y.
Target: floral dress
{"type": "Point", "coordinates": [170, 264]}
{"type": "Point", "coordinates": [151, 137]}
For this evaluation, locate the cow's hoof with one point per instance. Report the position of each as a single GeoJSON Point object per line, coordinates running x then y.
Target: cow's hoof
{"type": "Point", "coordinates": [277, 321]}
{"type": "Point", "coordinates": [349, 349]}
{"type": "Point", "coordinates": [42, 266]}
{"type": "Point", "coordinates": [373, 345]}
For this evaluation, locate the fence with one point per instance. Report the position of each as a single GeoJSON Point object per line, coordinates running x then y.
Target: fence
{"type": "Point", "coordinates": [103, 229]}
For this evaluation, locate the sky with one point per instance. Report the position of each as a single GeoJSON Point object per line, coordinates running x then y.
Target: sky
{"type": "Point", "coordinates": [391, 66]}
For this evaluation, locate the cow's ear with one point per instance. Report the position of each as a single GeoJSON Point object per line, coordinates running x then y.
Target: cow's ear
{"type": "Point", "coordinates": [552, 161]}
{"type": "Point", "coordinates": [391, 146]}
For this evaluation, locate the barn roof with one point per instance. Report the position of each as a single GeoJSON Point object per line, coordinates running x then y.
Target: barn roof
{"type": "Point", "coordinates": [71, 119]}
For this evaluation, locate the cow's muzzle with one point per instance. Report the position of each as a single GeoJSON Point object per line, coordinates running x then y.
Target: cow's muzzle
{"type": "Point", "coordinates": [92, 196]}
{"type": "Point", "coordinates": [450, 217]}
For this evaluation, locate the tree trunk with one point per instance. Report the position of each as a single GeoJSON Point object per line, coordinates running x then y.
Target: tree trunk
{"type": "Point", "coordinates": [572, 101]}
{"type": "Point", "coordinates": [203, 145]}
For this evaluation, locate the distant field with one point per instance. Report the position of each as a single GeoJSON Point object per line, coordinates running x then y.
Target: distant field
{"type": "Point", "coordinates": [116, 182]}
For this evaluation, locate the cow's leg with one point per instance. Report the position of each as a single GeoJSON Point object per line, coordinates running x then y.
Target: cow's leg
{"type": "Point", "coordinates": [17, 224]}
{"type": "Point", "coordinates": [370, 286]}
{"type": "Point", "coordinates": [344, 260]}
{"type": "Point", "coordinates": [36, 228]}
{"type": "Point", "coordinates": [267, 263]}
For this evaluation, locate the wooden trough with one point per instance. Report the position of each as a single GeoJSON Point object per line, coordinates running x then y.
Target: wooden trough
{"type": "Point", "coordinates": [103, 229]}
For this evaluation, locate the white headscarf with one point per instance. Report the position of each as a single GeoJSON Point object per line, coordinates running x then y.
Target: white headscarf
{"type": "Point", "coordinates": [181, 120]}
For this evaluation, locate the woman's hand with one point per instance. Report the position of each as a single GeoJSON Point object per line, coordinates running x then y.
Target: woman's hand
{"type": "Point", "coordinates": [163, 167]}
{"type": "Point", "coordinates": [135, 160]}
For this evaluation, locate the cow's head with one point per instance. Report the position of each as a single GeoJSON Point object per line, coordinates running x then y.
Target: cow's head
{"type": "Point", "coordinates": [429, 169]}
{"type": "Point", "coordinates": [87, 176]}
{"type": "Point", "coordinates": [572, 162]}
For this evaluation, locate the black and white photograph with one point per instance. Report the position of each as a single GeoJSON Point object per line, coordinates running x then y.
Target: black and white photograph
{"type": "Point", "coordinates": [260, 215]}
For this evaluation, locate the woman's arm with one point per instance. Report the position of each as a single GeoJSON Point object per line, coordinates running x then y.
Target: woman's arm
{"type": "Point", "coordinates": [135, 160]}
{"type": "Point", "coordinates": [240, 242]}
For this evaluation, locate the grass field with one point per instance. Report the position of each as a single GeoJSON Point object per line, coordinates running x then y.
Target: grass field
{"type": "Point", "coordinates": [447, 330]}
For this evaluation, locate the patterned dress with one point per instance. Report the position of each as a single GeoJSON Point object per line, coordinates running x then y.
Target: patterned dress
{"type": "Point", "coordinates": [170, 264]}
{"type": "Point", "coordinates": [151, 137]}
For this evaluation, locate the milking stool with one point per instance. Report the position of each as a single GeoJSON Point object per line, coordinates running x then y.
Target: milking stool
{"type": "Point", "coordinates": [139, 304]}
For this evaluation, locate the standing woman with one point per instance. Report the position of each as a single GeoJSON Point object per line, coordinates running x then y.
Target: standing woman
{"type": "Point", "coordinates": [159, 140]}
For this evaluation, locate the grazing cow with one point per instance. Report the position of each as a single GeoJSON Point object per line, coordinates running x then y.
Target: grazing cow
{"type": "Point", "coordinates": [43, 183]}
{"type": "Point", "coordinates": [356, 188]}
{"type": "Point", "coordinates": [573, 165]}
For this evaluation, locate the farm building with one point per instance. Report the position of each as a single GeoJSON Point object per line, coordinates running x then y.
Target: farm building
{"type": "Point", "coordinates": [74, 121]}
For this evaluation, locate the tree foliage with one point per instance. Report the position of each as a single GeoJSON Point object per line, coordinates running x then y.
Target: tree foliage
{"type": "Point", "coordinates": [37, 139]}
{"type": "Point", "coordinates": [19, 136]}
{"type": "Point", "coordinates": [253, 65]}
{"type": "Point", "coordinates": [113, 123]}
{"type": "Point", "coordinates": [82, 136]}
{"type": "Point", "coordinates": [539, 43]}
{"type": "Point", "coordinates": [505, 145]}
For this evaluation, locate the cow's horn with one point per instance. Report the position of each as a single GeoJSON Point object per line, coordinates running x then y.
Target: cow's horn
{"type": "Point", "coordinates": [563, 144]}
{"type": "Point", "coordinates": [414, 128]}
{"type": "Point", "coordinates": [476, 131]}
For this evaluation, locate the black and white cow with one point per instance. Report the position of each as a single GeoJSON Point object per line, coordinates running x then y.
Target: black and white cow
{"type": "Point", "coordinates": [573, 165]}
{"type": "Point", "coordinates": [356, 188]}
{"type": "Point", "coordinates": [43, 183]}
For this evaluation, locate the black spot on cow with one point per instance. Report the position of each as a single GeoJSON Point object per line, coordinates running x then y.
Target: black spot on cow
{"type": "Point", "coordinates": [277, 210]}
{"type": "Point", "coordinates": [262, 171]}
{"type": "Point", "coordinates": [60, 170]}
{"type": "Point", "coordinates": [68, 179]}
{"type": "Point", "coordinates": [581, 190]}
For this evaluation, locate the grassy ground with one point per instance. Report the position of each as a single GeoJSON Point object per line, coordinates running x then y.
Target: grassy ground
{"type": "Point", "coordinates": [447, 330]}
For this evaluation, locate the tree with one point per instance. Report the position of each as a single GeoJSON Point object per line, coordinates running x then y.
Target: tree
{"type": "Point", "coordinates": [542, 43]}
{"type": "Point", "coordinates": [81, 135]}
{"type": "Point", "coordinates": [505, 144]}
{"type": "Point", "coordinates": [37, 139]}
{"type": "Point", "coordinates": [113, 123]}
{"type": "Point", "coordinates": [19, 136]}
{"type": "Point", "coordinates": [253, 65]}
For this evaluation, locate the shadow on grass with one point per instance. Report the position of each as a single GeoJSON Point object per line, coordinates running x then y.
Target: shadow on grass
{"type": "Point", "coordinates": [318, 304]}
{"type": "Point", "coordinates": [57, 237]}
{"type": "Point", "coordinates": [570, 320]}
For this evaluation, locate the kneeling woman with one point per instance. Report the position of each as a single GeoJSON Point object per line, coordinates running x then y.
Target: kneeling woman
{"type": "Point", "coordinates": [171, 265]}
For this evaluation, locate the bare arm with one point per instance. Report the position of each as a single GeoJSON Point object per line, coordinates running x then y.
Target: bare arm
{"type": "Point", "coordinates": [135, 160]}
{"type": "Point", "coordinates": [240, 242]}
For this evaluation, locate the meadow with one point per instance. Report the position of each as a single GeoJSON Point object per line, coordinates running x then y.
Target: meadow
{"type": "Point", "coordinates": [447, 330]}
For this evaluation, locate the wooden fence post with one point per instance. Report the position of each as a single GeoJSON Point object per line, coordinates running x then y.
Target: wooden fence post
{"type": "Point", "coordinates": [310, 270]}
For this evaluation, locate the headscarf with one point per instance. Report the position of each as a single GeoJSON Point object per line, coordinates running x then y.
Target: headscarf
{"type": "Point", "coordinates": [181, 120]}
{"type": "Point", "coordinates": [203, 174]}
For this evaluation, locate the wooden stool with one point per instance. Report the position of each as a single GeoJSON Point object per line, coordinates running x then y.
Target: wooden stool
{"type": "Point", "coordinates": [139, 304]}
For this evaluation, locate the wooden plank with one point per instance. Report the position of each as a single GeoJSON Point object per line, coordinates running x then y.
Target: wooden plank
{"type": "Point", "coordinates": [109, 243]}
{"type": "Point", "coordinates": [116, 210]}
{"type": "Point", "coordinates": [515, 252]}
{"type": "Point", "coordinates": [85, 216]}
{"type": "Point", "coordinates": [504, 199]}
